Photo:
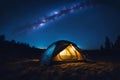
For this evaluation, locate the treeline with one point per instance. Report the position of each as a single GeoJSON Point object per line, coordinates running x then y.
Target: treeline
{"type": "Point", "coordinates": [10, 50]}
{"type": "Point", "coordinates": [109, 51]}
{"type": "Point", "coordinates": [108, 45]}
{"type": "Point", "coordinates": [111, 47]}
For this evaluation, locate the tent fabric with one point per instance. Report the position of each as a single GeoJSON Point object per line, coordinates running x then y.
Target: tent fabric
{"type": "Point", "coordinates": [61, 51]}
{"type": "Point", "coordinates": [68, 54]}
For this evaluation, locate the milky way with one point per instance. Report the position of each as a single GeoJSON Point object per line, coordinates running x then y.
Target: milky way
{"type": "Point", "coordinates": [60, 13]}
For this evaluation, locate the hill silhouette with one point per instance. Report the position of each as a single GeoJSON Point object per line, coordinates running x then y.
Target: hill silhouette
{"type": "Point", "coordinates": [12, 50]}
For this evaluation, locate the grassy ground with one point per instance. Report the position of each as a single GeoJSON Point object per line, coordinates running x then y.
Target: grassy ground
{"type": "Point", "coordinates": [31, 69]}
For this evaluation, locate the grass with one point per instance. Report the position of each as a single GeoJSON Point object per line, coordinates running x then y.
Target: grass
{"type": "Point", "coordinates": [31, 69]}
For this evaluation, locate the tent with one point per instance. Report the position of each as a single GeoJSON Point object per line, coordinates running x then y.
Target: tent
{"type": "Point", "coordinates": [62, 51]}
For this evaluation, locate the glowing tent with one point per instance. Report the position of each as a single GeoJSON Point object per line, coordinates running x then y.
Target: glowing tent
{"type": "Point", "coordinates": [62, 51]}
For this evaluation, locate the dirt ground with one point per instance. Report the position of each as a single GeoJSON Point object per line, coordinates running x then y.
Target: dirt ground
{"type": "Point", "coordinates": [31, 69]}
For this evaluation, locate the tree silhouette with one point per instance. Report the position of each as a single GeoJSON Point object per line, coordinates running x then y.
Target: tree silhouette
{"type": "Point", "coordinates": [13, 42]}
{"type": "Point", "coordinates": [117, 43]}
{"type": "Point", "coordinates": [107, 43]}
{"type": "Point", "coordinates": [101, 48]}
{"type": "Point", "coordinates": [2, 37]}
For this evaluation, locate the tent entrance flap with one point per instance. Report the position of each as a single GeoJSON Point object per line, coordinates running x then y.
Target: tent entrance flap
{"type": "Point", "coordinates": [68, 54]}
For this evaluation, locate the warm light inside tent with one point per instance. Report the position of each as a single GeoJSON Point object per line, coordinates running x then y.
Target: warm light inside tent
{"type": "Point", "coordinates": [68, 54]}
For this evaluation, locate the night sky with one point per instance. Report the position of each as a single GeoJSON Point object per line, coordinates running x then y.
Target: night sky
{"type": "Point", "coordinates": [87, 27]}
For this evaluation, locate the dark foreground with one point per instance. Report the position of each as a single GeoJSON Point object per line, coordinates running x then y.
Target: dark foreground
{"type": "Point", "coordinates": [30, 69]}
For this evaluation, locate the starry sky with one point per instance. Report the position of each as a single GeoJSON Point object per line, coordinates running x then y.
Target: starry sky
{"type": "Point", "coordinates": [87, 27]}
